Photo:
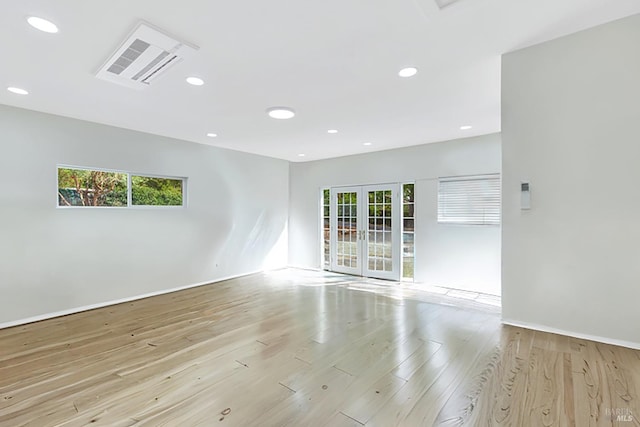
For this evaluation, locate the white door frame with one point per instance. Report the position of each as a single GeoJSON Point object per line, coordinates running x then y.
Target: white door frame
{"type": "Point", "coordinates": [367, 242]}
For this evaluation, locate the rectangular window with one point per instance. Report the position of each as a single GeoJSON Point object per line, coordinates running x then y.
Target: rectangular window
{"type": "Point", "coordinates": [408, 232]}
{"type": "Point", "coordinates": [471, 200]}
{"type": "Point", "coordinates": [152, 191]}
{"type": "Point", "coordinates": [86, 187]}
{"type": "Point", "coordinates": [103, 188]}
{"type": "Point", "coordinates": [326, 229]}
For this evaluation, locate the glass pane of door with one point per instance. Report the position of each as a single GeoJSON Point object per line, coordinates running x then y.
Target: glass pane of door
{"type": "Point", "coordinates": [345, 236]}
{"type": "Point", "coordinates": [382, 237]}
{"type": "Point", "coordinates": [379, 220]}
{"type": "Point", "coordinates": [347, 230]}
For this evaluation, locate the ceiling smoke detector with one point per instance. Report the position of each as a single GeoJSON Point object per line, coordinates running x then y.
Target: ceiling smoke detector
{"type": "Point", "coordinates": [143, 57]}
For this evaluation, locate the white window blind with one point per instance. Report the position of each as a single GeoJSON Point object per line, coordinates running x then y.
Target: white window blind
{"type": "Point", "coordinates": [473, 200]}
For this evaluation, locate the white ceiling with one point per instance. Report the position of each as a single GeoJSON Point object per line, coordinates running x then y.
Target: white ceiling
{"type": "Point", "coordinates": [334, 61]}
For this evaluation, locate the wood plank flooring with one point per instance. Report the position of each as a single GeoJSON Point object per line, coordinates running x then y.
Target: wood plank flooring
{"type": "Point", "coordinates": [301, 348]}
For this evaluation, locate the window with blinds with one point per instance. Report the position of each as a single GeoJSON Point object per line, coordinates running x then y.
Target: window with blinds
{"type": "Point", "coordinates": [472, 200]}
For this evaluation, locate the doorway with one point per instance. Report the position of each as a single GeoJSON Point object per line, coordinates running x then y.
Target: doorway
{"type": "Point", "coordinates": [365, 230]}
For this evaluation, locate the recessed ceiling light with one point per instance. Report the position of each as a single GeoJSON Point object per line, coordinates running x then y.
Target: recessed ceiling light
{"type": "Point", "coordinates": [18, 90]}
{"type": "Point", "coordinates": [42, 24]}
{"type": "Point", "coordinates": [300, 155]}
{"type": "Point", "coordinates": [366, 143]}
{"type": "Point", "coordinates": [196, 81]}
{"type": "Point", "coordinates": [281, 113]}
{"type": "Point", "coordinates": [332, 131]}
{"type": "Point", "coordinates": [467, 127]}
{"type": "Point", "coordinates": [408, 72]}
{"type": "Point", "coordinates": [212, 135]}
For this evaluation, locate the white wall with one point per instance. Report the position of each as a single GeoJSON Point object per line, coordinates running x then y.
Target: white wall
{"type": "Point", "coordinates": [58, 259]}
{"type": "Point", "coordinates": [463, 257]}
{"type": "Point", "coordinates": [571, 109]}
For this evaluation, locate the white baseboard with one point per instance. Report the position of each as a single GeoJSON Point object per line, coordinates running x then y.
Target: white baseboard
{"type": "Point", "coordinates": [118, 301]}
{"type": "Point", "coordinates": [317, 269]}
{"type": "Point", "coordinates": [542, 328]}
{"type": "Point", "coordinates": [304, 267]}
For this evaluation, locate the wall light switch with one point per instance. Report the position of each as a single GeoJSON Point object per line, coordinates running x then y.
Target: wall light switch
{"type": "Point", "coordinates": [525, 195]}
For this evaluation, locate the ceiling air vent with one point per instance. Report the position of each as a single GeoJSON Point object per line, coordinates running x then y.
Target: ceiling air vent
{"type": "Point", "coordinates": [143, 57]}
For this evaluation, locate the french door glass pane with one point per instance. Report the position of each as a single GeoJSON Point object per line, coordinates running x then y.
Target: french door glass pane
{"type": "Point", "coordinates": [347, 234]}
{"type": "Point", "coordinates": [379, 251]}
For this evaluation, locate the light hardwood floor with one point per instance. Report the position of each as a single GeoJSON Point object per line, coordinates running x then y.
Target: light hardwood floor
{"type": "Point", "coordinates": [303, 348]}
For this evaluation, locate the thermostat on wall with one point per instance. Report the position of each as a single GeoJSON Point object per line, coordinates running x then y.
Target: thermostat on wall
{"type": "Point", "coordinates": [525, 195]}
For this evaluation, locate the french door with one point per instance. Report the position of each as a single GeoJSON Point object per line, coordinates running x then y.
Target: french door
{"type": "Point", "coordinates": [365, 230]}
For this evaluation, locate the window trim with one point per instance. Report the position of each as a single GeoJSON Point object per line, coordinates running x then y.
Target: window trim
{"type": "Point", "coordinates": [129, 205]}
